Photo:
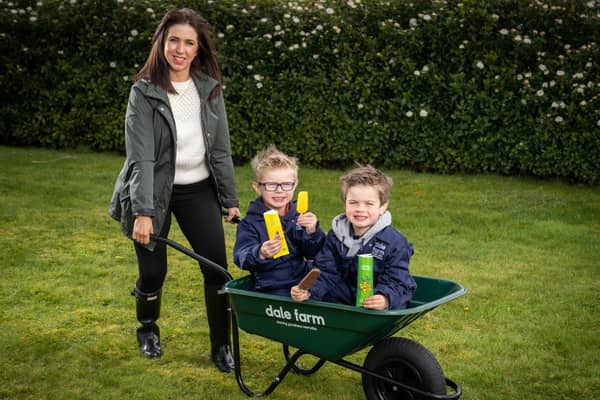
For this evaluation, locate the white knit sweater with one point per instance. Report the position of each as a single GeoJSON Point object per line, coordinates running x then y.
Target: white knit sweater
{"type": "Point", "coordinates": [190, 166]}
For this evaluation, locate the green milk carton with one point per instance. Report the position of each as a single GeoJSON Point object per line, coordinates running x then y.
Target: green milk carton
{"type": "Point", "coordinates": [364, 281]}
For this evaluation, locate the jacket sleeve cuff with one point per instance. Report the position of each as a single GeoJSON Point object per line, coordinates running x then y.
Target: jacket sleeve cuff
{"type": "Point", "coordinates": [231, 203]}
{"type": "Point", "coordinates": [253, 262]}
{"type": "Point", "coordinates": [316, 292]}
{"type": "Point", "coordinates": [148, 212]}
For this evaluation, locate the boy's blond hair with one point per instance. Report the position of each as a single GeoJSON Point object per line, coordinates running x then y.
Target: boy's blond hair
{"type": "Point", "coordinates": [271, 158]}
{"type": "Point", "coordinates": [368, 176]}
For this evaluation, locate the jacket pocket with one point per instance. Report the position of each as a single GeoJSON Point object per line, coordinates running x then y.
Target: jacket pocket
{"type": "Point", "coordinates": [378, 266]}
{"type": "Point", "coordinates": [212, 122]}
{"type": "Point", "coordinates": [114, 207]}
{"type": "Point", "coordinates": [126, 213]}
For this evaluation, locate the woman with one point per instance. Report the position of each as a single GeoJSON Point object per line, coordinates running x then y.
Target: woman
{"type": "Point", "coordinates": [178, 162]}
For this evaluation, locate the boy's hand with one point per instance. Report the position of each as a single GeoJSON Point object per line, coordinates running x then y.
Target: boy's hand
{"type": "Point", "coordinates": [308, 221]}
{"type": "Point", "coordinates": [270, 247]}
{"type": "Point", "coordinates": [376, 302]}
{"type": "Point", "coordinates": [298, 294]}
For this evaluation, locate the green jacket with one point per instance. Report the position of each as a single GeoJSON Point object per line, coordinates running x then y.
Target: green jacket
{"type": "Point", "coordinates": [145, 182]}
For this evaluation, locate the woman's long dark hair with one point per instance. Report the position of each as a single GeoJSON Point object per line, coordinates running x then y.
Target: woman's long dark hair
{"type": "Point", "coordinates": [156, 68]}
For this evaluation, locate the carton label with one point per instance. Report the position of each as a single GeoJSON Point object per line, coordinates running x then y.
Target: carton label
{"type": "Point", "coordinates": [364, 278]}
{"type": "Point", "coordinates": [273, 224]}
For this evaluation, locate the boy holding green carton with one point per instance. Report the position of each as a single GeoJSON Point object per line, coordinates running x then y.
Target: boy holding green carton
{"type": "Point", "coordinates": [277, 240]}
{"type": "Point", "coordinates": [361, 237]}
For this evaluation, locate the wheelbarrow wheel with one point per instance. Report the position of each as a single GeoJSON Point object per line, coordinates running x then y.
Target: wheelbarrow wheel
{"type": "Point", "coordinates": [404, 361]}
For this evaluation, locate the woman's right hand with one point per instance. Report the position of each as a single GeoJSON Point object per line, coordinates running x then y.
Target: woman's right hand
{"type": "Point", "coordinates": [142, 229]}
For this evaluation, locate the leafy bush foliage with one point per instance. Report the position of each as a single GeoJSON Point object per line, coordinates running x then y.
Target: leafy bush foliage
{"type": "Point", "coordinates": [508, 87]}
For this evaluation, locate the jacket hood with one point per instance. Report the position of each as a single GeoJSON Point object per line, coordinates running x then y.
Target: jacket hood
{"type": "Point", "coordinates": [342, 229]}
{"type": "Point", "coordinates": [204, 84]}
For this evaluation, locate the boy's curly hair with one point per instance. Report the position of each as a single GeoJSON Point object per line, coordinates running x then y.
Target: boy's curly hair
{"type": "Point", "coordinates": [271, 158]}
{"type": "Point", "coordinates": [367, 175]}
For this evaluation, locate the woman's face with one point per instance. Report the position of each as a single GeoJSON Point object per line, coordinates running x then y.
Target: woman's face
{"type": "Point", "coordinates": [181, 47]}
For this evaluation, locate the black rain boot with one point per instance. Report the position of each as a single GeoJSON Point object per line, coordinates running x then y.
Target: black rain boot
{"type": "Point", "coordinates": [148, 311]}
{"type": "Point", "coordinates": [148, 337]}
{"type": "Point", "coordinates": [218, 324]}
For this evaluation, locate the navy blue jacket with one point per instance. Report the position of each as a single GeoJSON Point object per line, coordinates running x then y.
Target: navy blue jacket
{"type": "Point", "coordinates": [391, 277]}
{"type": "Point", "coordinates": [275, 275]}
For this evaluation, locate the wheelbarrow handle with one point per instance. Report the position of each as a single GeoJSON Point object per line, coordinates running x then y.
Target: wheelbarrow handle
{"type": "Point", "coordinates": [188, 252]}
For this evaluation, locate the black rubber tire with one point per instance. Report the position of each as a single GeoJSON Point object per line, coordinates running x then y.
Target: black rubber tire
{"type": "Point", "coordinates": [407, 362]}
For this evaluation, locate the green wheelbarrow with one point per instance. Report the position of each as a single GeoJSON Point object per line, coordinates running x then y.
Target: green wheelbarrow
{"type": "Point", "coordinates": [394, 368]}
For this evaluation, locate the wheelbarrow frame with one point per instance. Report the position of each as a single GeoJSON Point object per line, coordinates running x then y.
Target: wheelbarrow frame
{"type": "Point", "coordinates": [291, 359]}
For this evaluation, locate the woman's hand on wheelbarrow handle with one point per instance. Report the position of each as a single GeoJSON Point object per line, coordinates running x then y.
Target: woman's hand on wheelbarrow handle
{"type": "Point", "coordinates": [234, 220]}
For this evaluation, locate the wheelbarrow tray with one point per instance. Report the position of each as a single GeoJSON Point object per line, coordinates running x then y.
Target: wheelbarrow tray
{"type": "Point", "coordinates": [328, 330]}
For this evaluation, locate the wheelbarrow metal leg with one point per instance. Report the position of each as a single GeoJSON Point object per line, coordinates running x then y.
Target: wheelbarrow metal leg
{"type": "Point", "coordinates": [300, 370]}
{"type": "Point", "coordinates": [238, 365]}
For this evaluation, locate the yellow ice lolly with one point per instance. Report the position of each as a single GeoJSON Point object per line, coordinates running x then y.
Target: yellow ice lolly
{"type": "Point", "coordinates": [302, 202]}
{"type": "Point", "coordinates": [273, 224]}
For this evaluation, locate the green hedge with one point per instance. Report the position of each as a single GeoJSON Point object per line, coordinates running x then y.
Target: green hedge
{"type": "Point", "coordinates": [508, 87]}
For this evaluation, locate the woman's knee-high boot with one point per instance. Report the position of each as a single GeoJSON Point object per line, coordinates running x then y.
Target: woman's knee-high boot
{"type": "Point", "coordinates": [148, 311]}
{"type": "Point", "coordinates": [218, 323]}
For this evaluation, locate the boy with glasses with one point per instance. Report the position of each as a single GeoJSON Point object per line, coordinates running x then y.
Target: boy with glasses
{"type": "Point", "coordinates": [275, 179]}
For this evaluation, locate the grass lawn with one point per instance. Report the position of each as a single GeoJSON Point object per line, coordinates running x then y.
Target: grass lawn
{"type": "Point", "coordinates": [528, 251]}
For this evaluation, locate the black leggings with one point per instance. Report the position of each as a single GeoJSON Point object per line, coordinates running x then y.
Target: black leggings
{"type": "Point", "coordinates": [198, 214]}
